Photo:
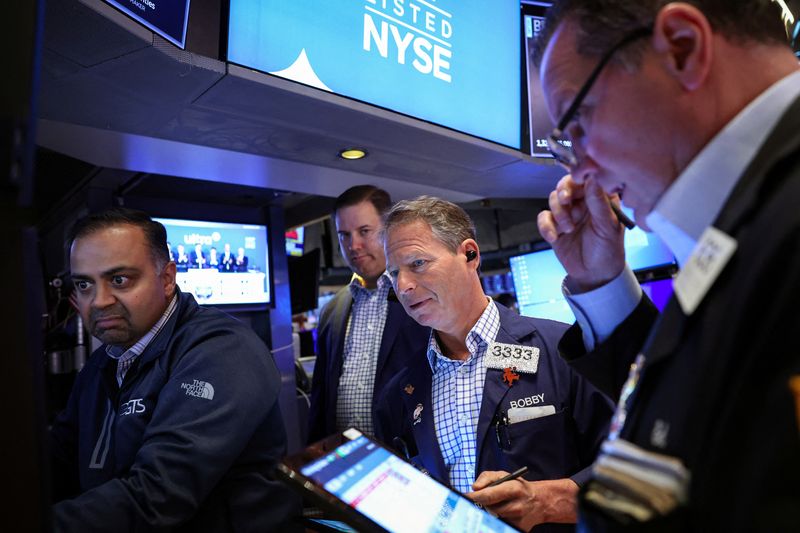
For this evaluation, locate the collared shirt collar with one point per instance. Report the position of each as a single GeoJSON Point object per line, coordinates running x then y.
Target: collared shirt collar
{"type": "Point", "coordinates": [357, 284]}
{"type": "Point", "coordinates": [695, 199]}
{"type": "Point", "coordinates": [482, 333]}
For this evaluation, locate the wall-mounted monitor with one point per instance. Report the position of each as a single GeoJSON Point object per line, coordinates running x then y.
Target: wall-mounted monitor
{"type": "Point", "coordinates": [539, 122]}
{"type": "Point", "coordinates": [455, 63]}
{"type": "Point", "coordinates": [495, 284]}
{"type": "Point", "coordinates": [220, 262]}
{"type": "Point", "coordinates": [537, 281]}
{"type": "Point", "coordinates": [294, 241]}
{"type": "Point", "coordinates": [645, 251]}
{"type": "Point", "coordinates": [538, 276]}
{"type": "Point", "coordinates": [168, 18]}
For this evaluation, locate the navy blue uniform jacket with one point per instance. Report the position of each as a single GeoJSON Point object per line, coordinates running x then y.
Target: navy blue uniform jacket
{"type": "Point", "coordinates": [552, 447]}
{"type": "Point", "coordinates": [186, 444]}
{"type": "Point", "coordinates": [402, 340]}
{"type": "Point", "coordinates": [716, 383]}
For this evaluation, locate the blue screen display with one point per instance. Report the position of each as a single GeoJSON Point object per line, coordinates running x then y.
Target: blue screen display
{"type": "Point", "coordinates": [538, 276]}
{"type": "Point", "coordinates": [451, 62]}
{"type": "Point", "coordinates": [167, 18]}
{"type": "Point", "coordinates": [644, 251]}
{"type": "Point", "coordinates": [537, 280]}
{"type": "Point", "coordinates": [220, 262]}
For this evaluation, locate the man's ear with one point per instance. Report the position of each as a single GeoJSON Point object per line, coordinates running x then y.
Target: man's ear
{"type": "Point", "coordinates": [683, 36]}
{"type": "Point", "coordinates": [471, 252]}
{"type": "Point", "coordinates": [168, 278]}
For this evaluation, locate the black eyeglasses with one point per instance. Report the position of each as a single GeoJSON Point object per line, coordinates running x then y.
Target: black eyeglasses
{"type": "Point", "coordinates": [560, 146]}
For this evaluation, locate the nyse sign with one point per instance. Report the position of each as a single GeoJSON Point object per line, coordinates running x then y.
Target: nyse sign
{"type": "Point", "coordinates": [411, 32]}
{"type": "Point", "coordinates": [454, 63]}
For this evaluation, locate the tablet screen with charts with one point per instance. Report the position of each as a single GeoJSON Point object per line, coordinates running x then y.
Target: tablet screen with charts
{"type": "Point", "coordinates": [375, 490]}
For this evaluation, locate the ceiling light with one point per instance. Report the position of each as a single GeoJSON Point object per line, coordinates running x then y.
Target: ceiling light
{"type": "Point", "coordinates": [352, 153]}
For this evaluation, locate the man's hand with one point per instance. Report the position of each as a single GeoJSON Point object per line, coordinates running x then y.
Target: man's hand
{"type": "Point", "coordinates": [525, 504]}
{"type": "Point", "coordinates": [584, 232]}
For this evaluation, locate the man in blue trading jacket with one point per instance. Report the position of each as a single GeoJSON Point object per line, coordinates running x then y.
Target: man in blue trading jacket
{"type": "Point", "coordinates": [173, 424]}
{"type": "Point", "coordinates": [493, 395]}
{"type": "Point", "coordinates": [365, 337]}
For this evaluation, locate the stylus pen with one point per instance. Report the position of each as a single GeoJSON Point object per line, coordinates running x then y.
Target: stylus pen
{"type": "Point", "coordinates": [628, 223]}
{"type": "Point", "coordinates": [508, 477]}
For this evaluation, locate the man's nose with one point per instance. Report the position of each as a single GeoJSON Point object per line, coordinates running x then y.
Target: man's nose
{"type": "Point", "coordinates": [405, 282]}
{"type": "Point", "coordinates": [585, 168]}
{"type": "Point", "coordinates": [103, 296]}
{"type": "Point", "coordinates": [356, 242]}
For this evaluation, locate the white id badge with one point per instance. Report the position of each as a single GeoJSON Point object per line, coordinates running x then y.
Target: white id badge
{"type": "Point", "coordinates": [521, 414]}
{"type": "Point", "coordinates": [524, 359]}
{"type": "Point", "coordinates": [709, 257]}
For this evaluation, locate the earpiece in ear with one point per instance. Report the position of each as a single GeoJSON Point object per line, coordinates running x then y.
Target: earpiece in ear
{"type": "Point", "coordinates": [471, 254]}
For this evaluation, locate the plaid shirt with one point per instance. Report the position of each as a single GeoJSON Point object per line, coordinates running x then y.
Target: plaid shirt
{"type": "Point", "coordinates": [125, 358]}
{"type": "Point", "coordinates": [457, 392]}
{"type": "Point", "coordinates": [361, 347]}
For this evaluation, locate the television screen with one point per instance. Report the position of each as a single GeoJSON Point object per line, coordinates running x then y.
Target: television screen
{"type": "Point", "coordinates": [645, 251]}
{"type": "Point", "coordinates": [538, 276]}
{"type": "Point", "coordinates": [497, 283]}
{"type": "Point", "coordinates": [294, 241]}
{"type": "Point", "coordinates": [168, 18]}
{"type": "Point", "coordinates": [220, 262]}
{"type": "Point", "coordinates": [537, 280]}
{"type": "Point", "coordinates": [539, 122]}
{"type": "Point", "coordinates": [455, 63]}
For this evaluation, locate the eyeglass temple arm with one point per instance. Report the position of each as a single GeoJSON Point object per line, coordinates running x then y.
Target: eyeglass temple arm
{"type": "Point", "coordinates": [566, 117]}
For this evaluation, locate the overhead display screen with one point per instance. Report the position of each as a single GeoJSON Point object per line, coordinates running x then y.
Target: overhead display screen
{"type": "Point", "coordinates": [645, 251]}
{"type": "Point", "coordinates": [537, 281]}
{"type": "Point", "coordinates": [538, 276]}
{"type": "Point", "coordinates": [220, 262]}
{"type": "Point", "coordinates": [165, 17]}
{"type": "Point", "coordinates": [539, 120]}
{"type": "Point", "coordinates": [455, 63]}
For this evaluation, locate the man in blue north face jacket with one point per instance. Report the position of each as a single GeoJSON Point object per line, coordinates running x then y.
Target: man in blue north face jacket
{"type": "Point", "coordinates": [173, 424]}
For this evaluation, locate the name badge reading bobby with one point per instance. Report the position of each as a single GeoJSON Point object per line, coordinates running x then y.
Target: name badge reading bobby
{"type": "Point", "coordinates": [709, 257]}
{"type": "Point", "coordinates": [523, 359]}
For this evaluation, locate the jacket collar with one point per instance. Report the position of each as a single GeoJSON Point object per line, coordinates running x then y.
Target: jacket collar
{"type": "Point", "coordinates": [419, 394]}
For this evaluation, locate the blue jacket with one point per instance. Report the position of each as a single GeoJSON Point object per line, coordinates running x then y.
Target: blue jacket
{"type": "Point", "coordinates": [402, 339]}
{"type": "Point", "coordinates": [552, 447]}
{"type": "Point", "coordinates": [187, 443]}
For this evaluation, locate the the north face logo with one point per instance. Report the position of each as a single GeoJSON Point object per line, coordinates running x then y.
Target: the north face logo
{"type": "Point", "coordinates": [200, 389]}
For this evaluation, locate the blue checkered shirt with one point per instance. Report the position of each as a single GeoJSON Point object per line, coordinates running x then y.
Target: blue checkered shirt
{"type": "Point", "coordinates": [361, 347]}
{"type": "Point", "coordinates": [125, 358]}
{"type": "Point", "coordinates": [457, 392]}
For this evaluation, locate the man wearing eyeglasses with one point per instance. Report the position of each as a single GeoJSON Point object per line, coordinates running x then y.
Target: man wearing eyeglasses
{"type": "Point", "coordinates": [690, 115]}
